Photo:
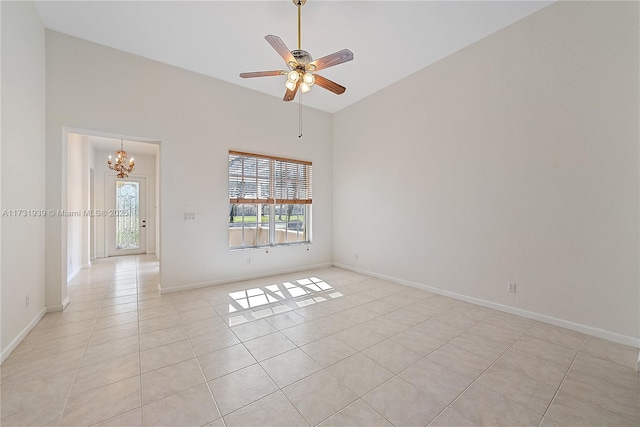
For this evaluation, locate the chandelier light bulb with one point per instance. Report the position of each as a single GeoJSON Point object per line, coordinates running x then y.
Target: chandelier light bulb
{"type": "Point", "coordinates": [290, 85]}
{"type": "Point", "coordinates": [309, 79]}
{"type": "Point", "coordinates": [304, 87]}
{"type": "Point", "coordinates": [293, 76]}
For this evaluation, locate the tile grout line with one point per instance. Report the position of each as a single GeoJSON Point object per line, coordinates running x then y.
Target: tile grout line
{"type": "Point", "coordinates": [562, 382]}
{"type": "Point", "coordinates": [379, 315]}
{"type": "Point", "coordinates": [117, 415]}
{"type": "Point", "coordinates": [57, 321]}
{"type": "Point", "coordinates": [139, 375]}
{"type": "Point", "coordinates": [482, 373]}
{"type": "Point", "coordinates": [139, 346]}
{"type": "Point", "coordinates": [280, 389]}
{"type": "Point", "coordinates": [322, 368]}
{"type": "Point", "coordinates": [75, 375]}
{"type": "Point", "coordinates": [103, 297]}
{"type": "Point", "coordinates": [416, 362]}
{"type": "Point", "coordinates": [139, 361]}
{"type": "Point", "coordinates": [606, 380]}
{"type": "Point", "coordinates": [361, 352]}
{"type": "Point", "coordinates": [206, 382]}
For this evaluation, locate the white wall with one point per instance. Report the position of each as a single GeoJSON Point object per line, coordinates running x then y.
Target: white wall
{"type": "Point", "coordinates": [85, 256]}
{"type": "Point", "coordinates": [91, 226]}
{"type": "Point", "coordinates": [22, 170]}
{"type": "Point", "coordinates": [75, 205]}
{"type": "Point", "coordinates": [197, 119]}
{"type": "Point", "coordinates": [145, 167]}
{"type": "Point", "coordinates": [79, 163]}
{"type": "Point", "coordinates": [156, 213]}
{"type": "Point", "coordinates": [515, 159]}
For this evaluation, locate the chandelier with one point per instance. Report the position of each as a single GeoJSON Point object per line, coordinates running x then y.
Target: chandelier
{"type": "Point", "coordinates": [122, 166]}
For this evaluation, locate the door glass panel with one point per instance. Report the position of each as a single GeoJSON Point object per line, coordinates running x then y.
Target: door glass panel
{"type": "Point", "coordinates": [127, 215]}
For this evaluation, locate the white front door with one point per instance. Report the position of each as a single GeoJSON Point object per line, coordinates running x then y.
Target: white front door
{"type": "Point", "coordinates": [126, 215]}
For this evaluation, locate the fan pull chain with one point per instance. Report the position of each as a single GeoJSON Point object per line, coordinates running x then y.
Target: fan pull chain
{"type": "Point", "coordinates": [300, 115]}
{"type": "Point", "coordinates": [299, 4]}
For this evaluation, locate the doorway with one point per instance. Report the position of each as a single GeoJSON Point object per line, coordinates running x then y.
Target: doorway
{"type": "Point", "coordinates": [91, 196]}
{"type": "Point", "coordinates": [126, 211]}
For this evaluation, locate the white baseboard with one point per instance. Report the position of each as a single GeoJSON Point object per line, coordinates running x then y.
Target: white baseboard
{"type": "Point", "coordinates": [578, 327]}
{"type": "Point", "coordinates": [237, 279]}
{"type": "Point", "coordinates": [60, 307]}
{"type": "Point", "coordinates": [17, 340]}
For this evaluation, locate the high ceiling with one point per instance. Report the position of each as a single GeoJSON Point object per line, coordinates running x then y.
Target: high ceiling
{"type": "Point", "coordinates": [390, 39]}
{"type": "Point", "coordinates": [110, 145]}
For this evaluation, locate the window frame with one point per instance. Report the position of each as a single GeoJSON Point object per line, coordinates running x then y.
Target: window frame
{"type": "Point", "coordinates": [287, 183]}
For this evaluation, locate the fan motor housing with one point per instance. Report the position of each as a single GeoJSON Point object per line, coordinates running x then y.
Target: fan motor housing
{"type": "Point", "coordinates": [302, 57]}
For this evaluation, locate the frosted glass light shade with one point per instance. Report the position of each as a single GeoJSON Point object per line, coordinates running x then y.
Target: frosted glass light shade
{"type": "Point", "coordinates": [290, 85]}
{"type": "Point", "coordinates": [293, 76]}
{"type": "Point", "coordinates": [309, 79]}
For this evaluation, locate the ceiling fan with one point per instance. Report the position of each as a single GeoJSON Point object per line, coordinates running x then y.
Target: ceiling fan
{"type": "Point", "coordinates": [302, 67]}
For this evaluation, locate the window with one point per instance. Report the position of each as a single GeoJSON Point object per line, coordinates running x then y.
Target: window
{"type": "Point", "coordinates": [269, 201]}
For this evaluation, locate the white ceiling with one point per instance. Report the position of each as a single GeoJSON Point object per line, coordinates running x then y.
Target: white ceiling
{"type": "Point", "coordinates": [110, 145]}
{"type": "Point", "coordinates": [390, 39]}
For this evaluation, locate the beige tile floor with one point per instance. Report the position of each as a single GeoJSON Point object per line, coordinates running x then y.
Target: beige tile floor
{"type": "Point", "coordinates": [326, 347]}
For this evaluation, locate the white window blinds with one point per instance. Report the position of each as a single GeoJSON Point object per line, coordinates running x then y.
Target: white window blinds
{"type": "Point", "coordinates": [256, 178]}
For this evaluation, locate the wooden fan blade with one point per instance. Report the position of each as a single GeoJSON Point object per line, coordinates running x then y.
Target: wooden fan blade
{"type": "Point", "coordinates": [329, 85]}
{"type": "Point", "coordinates": [282, 49]}
{"type": "Point", "coordinates": [290, 94]}
{"type": "Point", "coordinates": [262, 74]}
{"type": "Point", "coordinates": [335, 58]}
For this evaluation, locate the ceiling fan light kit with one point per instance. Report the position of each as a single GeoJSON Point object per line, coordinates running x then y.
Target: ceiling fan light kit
{"type": "Point", "coordinates": [302, 67]}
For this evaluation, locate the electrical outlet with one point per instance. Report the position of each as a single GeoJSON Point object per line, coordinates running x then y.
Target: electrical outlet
{"type": "Point", "coordinates": [26, 301]}
{"type": "Point", "coordinates": [511, 288]}
{"type": "Point", "coordinates": [248, 261]}
{"type": "Point", "coordinates": [356, 255]}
